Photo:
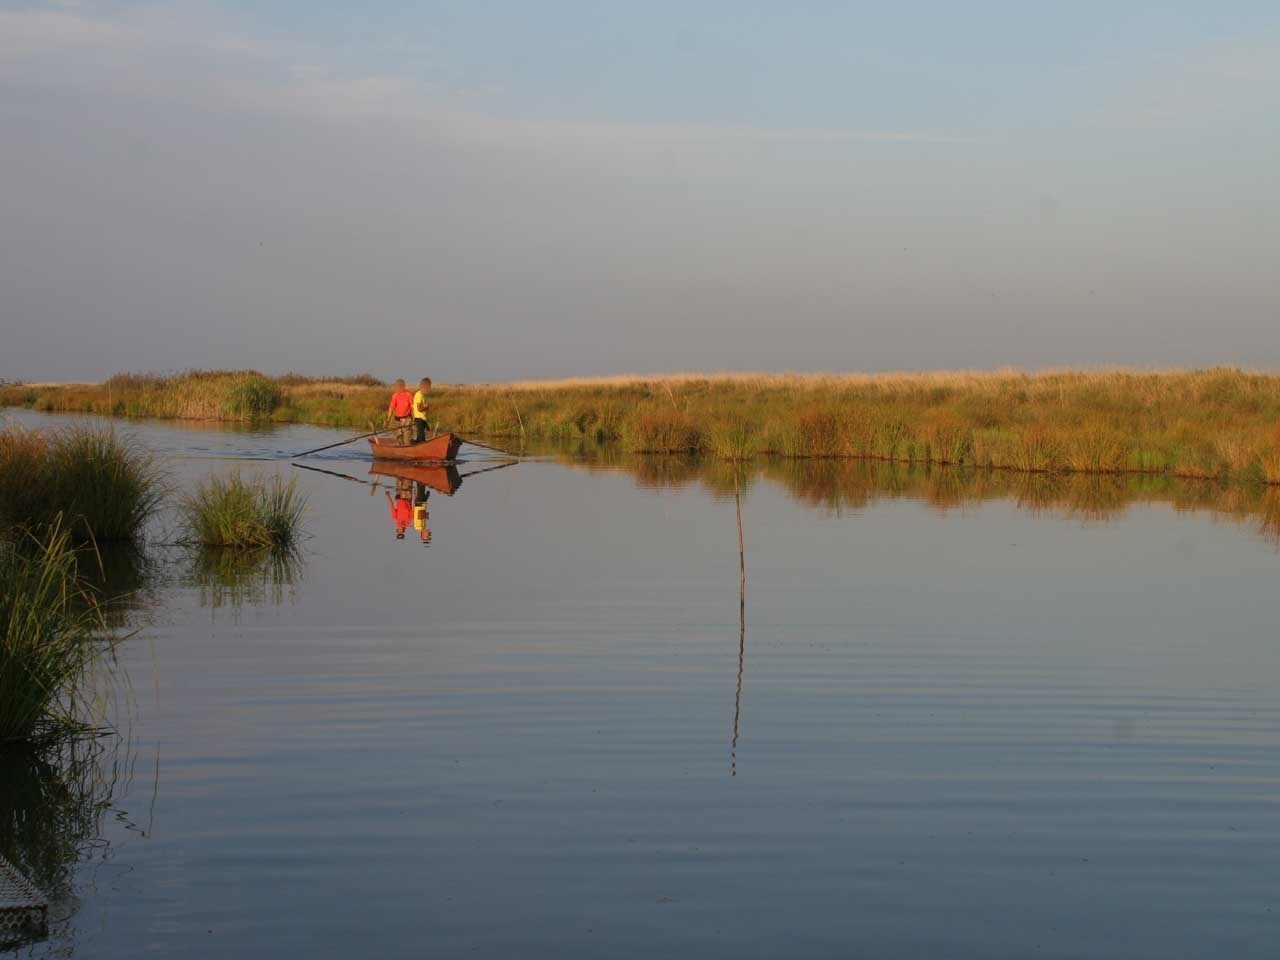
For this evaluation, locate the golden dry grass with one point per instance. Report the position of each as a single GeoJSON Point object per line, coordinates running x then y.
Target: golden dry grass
{"type": "Point", "coordinates": [1219, 422]}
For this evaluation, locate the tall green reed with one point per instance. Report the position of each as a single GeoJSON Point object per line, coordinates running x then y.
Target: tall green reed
{"type": "Point", "coordinates": [52, 631]}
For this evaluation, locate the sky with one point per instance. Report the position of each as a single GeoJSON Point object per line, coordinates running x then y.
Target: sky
{"type": "Point", "coordinates": [484, 191]}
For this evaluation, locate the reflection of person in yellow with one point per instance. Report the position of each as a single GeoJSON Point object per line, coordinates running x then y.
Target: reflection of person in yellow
{"type": "Point", "coordinates": [401, 506]}
{"type": "Point", "coordinates": [421, 516]}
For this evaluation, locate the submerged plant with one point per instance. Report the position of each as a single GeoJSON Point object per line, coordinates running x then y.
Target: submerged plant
{"type": "Point", "coordinates": [52, 630]}
{"type": "Point", "coordinates": [234, 512]}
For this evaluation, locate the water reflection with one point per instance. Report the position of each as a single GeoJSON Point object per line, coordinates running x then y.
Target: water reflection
{"type": "Point", "coordinates": [231, 577]}
{"type": "Point", "coordinates": [122, 577]}
{"type": "Point", "coordinates": [841, 486]}
{"type": "Point", "coordinates": [407, 488]}
{"type": "Point", "coordinates": [414, 484]}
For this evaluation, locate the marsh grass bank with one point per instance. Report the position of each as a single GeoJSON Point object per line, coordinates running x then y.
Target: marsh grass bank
{"type": "Point", "coordinates": [1220, 423]}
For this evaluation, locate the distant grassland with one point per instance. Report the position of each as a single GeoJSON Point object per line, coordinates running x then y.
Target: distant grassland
{"type": "Point", "coordinates": [1220, 423]}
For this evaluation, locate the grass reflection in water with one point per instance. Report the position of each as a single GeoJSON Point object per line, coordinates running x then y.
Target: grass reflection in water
{"type": "Point", "coordinates": [233, 577]}
{"type": "Point", "coordinates": [842, 486]}
{"type": "Point", "coordinates": [52, 803]}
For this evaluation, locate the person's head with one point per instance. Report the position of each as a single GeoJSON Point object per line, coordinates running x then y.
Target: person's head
{"type": "Point", "coordinates": [424, 384]}
{"type": "Point", "coordinates": [399, 385]}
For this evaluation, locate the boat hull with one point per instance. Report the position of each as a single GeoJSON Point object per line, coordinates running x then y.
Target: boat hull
{"type": "Point", "coordinates": [439, 449]}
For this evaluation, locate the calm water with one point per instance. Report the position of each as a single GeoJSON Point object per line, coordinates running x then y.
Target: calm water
{"type": "Point", "coordinates": [974, 718]}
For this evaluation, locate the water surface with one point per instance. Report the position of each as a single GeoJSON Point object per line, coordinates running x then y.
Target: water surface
{"type": "Point", "coordinates": [964, 716]}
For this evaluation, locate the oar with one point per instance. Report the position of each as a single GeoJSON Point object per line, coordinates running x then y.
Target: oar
{"type": "Point", "coordinates": [363, 436]}
{"type": "Point", "coordinates": [477, 443]}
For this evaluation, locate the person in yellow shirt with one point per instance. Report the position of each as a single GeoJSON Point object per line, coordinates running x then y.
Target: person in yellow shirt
{"type": "Point", "coordinates": [420, 406]}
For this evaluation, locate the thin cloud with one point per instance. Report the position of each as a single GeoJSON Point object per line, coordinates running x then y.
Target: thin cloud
{"type": "Point", "coordinates": [190, 55]}
{"type": "Point", "coordinates": [1167, 85]}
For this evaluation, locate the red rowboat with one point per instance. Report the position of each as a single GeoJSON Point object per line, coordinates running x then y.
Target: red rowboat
{"type": "Point", "coordinates": [442, 477]}
{"type": "Point", "coordinates": [439, 449]}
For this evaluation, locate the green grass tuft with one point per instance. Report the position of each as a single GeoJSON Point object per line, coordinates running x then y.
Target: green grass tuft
{"type": "Point", "coordinates": [246, 514]}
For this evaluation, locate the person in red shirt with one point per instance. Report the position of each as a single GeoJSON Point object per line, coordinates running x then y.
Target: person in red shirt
{"type": "Point", "coordinates": [401, 411]}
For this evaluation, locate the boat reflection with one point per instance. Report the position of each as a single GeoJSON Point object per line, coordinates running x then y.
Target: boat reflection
{"type": "Point", "coordinates": [442, 478]}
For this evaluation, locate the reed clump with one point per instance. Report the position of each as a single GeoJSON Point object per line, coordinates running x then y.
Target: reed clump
{"type": "Point", "coordinates": [99, 486]}
{"type": "Point", "coordinates": [51, 633]}
{"type": "Point", "coordinates": [735, 440]}
{"type": "Point", "coordinates": [252, 398]}
{"type": "Point", "coordinates": [249, 514]}
{"type": "Point", "coordinates": [659, 429]}
{"type": "Point", "coordinates": [23, 498]}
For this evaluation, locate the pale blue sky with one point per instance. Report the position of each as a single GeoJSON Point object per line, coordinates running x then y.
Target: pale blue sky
{"type": "Point", "coordinates": [504, 190]}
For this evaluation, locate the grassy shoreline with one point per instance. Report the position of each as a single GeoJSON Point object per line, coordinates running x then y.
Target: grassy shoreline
{"type": "Point", "coordinates": [1220, 423]}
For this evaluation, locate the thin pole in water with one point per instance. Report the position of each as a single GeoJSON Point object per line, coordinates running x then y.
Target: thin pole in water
{"type": "Point", "coordinates": [742, 629]}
